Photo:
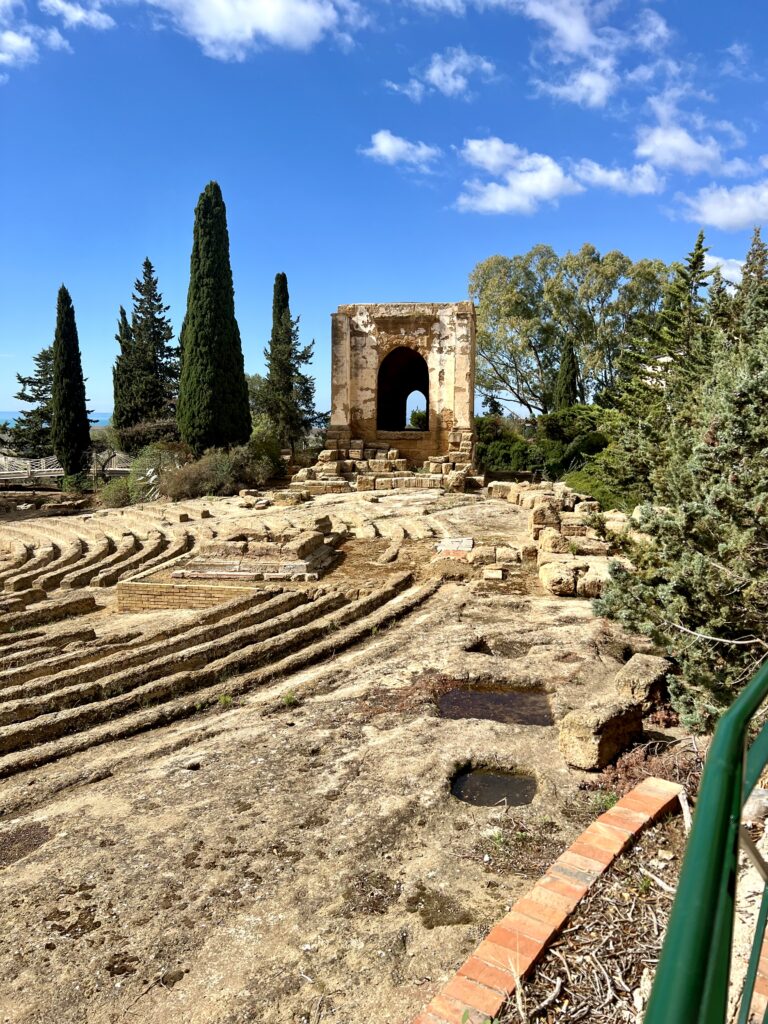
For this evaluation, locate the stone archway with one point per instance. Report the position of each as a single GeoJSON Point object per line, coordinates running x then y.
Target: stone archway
{"type": "Point", "coordinates": [402, 372]}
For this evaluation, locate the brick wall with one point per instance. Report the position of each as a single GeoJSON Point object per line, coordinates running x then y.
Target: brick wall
{"type": "Point", "coordinates": [145, 597]}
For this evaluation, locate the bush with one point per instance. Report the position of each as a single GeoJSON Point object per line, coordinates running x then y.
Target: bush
{"type": "Point", "coordinates": [77, 483]}
{"type": "Point", "coordinates": [116, 493]}
{"type": "Point", "coordinates": [211, 474]}
{"type": "Point", "coordinates": [590, 480]}
{"type": "Point", "coordinates": [264, 445]}
{"type": "Point", "coordinates": [141, 435]}
{"type": "Point", "coordinates": [149, 467]}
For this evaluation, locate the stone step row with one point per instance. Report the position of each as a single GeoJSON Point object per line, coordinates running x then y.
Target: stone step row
{"type": "Point", "coordinates": [205, 693]}
{"type": "Point", "coordinates": [55, 674]}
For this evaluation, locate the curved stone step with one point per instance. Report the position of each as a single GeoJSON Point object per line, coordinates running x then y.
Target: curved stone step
{"type": "Point", "coordinates": [56, 672]}
{"type": "Point", "coordinates": [94, 685]}
{"type": "Point", "coordinates": [155, 543]}
{"type": "Point", "coordinates": [206, 695]}
{"type": "Point", "coordinates": [83, 575]}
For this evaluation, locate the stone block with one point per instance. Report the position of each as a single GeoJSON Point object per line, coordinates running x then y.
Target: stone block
{"type": "Point", "coordinates": [593, 582]}
{"type": "Point", "coordinates": [400, 465]}
{"type": "Point", "coordinates": [551, 539]}
{"type": "Point", "coordinates": [483, 554]}
{"type": "Point", "coordinates": [455, 481]}
{"type": "Point", "coordinates": [393, 454]}
{"type": "Point", "coordinates": [643, 680]}
{"type": "Point", "coordinates": [592, 737]}
{"type": "Point", "coordinates": [380, 465]}
{"type": "Point", "coordinates": [355, 454]}
{"type": "Point", "coordinates": [456, 544]}
{"type": "Point", "coordinates": [328, 455]}
{"type": "Point", "coordinates": [383, 483]}
{"type": "Point", "coordinates": [507, 555]}
{"type": "Point", "coordinates": [588, 508]}
{"type": "Point", "coordinates": [366, 483]}
{"type": "Point", "coordinates": [494, 572]}
{"type": "Point", "coordinates": [558, 578]}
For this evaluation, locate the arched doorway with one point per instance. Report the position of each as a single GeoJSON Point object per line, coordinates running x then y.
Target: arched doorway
{"type": "Point", "coordinates": [401, 373]}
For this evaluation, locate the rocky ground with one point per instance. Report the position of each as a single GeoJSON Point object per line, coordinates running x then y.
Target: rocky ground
{"type": "Point", "coordinates": [291, 853]}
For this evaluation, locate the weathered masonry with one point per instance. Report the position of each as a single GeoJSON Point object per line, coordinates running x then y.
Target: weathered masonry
{"type": "Point", "coordinates": [381, 354]}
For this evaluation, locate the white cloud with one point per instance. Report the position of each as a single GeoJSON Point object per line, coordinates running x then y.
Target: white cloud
{"type": "Point", "coordinates": [730, 209]}
{"type": "Point", "coordinates": [671, 145]}
{"type": "Point", "coordinates": [75, 14]}
{"type": "Point", "coordinates": [16, 49]}
{"type": "Point", "coordinates": [413, 89]}
{"type": "Point", "coordinates": [591, 86]}
{"type": "Point", "coordinates": [729, 268]}
{"type": "Point", "coordinates": [447, 73]}
{"type": "Point", "coordinates": [228, 29]}
{"type": "Point", "coordinates": [651, 31]}
{"type": "Point", "coordinates": [527, 179]}
{"type": "Point", "coordinates": [569, 22]}
{"type": "Point", "coordinates": [641, 179]}
{"type": "Point", "coordinates": [6, 7]}
{"type": "Point", "coordinates": [391, 149]}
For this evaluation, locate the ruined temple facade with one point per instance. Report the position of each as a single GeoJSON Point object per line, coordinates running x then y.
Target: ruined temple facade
{"type": "Point", "coordinates": [384, 352]}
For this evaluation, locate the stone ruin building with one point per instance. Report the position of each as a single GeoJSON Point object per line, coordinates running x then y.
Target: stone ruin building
{"type": "Point", "coordinates": [380, 355]}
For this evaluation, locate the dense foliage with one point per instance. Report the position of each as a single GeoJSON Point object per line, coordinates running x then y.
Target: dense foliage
{"type": "Point", "coordinates": [146, 372]}
{"type": "Point", "coordinates": [213, 407]}
{"type": "Point", "coordinates": [287, 394]}
{"type": "Point", "coordinates": [70, 433]}
{"type": "Point", "coordinates": [30, 436]}
{"type": "Point", "coordinates": [536, 308]}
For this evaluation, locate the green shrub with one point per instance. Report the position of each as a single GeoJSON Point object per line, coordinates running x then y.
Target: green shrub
{"type": "Point", "coordinates": [419, 419]}
{"type": "Point", "coordinates": [116, 493]}
{"type": "Point", "coordinates": [149, 467]}
{"type": "Point", "coordinates": [264, 444]}
{"type": "Point", "coordinates": [133, 439]}
{"type": "Point", "coordinates": [590, 480]}
{"type": "Point", "coordinates": [211, 474]}
{"type": "Point", "coordinates": [76, 483]}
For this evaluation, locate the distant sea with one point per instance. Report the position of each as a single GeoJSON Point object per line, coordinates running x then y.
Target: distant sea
{"type": "Point", "coordinates": [101, 418]}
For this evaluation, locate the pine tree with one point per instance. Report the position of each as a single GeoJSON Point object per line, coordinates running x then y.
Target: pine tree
{"type": "Point", "coordinates": [153, 331]}
{"type": "Point", "coordinates": [751, 299]}
{"type": "Point", "coordinates": [288, 392]}
{"type": "Point", "coordinates": [567, 384]}
{"type": "Point", "coordinates": [213, 393]}
{"type": "Point", "coordinates": [136, 387]}
{"type": "Point", "coordinates": [30, 436]}
{"type": "Point", "coordinates": [70, 435]}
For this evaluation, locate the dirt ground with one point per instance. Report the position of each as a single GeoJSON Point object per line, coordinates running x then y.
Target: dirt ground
{"type": "Point", "coordinates": [295, 855]}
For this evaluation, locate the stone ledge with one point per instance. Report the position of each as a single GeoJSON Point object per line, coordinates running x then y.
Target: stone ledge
{"type": "Point", "coordinates": [488, 977]}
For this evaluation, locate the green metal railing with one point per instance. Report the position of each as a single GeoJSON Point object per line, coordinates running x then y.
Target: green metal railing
{"type": "Point", "coordinates": [691, 984]}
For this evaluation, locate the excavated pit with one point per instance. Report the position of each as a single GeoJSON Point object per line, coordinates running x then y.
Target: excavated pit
{"type": "Point", "coordinates": [488, 787]}
{"type": "Point", "coordinates": [513, 707]}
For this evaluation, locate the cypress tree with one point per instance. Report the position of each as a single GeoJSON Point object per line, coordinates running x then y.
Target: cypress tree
{"type": "Point", "coordinates": [288, 393]}
{"type": "Point", "coordinates": [567, 384]}
{"type": "Point", "coordinates": [30, 436]}
{"type": "Point", "coordinates": [213, 406]}
{"type": "Point", "coordinates": [70, 434]}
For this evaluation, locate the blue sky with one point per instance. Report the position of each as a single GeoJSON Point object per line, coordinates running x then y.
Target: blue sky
{"type": "Point", "coordinates": [374, 151]}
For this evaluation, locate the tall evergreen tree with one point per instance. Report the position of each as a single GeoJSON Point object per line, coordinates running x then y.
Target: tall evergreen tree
{"type": "Point", "coordinates": [153, 331]}
{"type": "Point", "coordinates": [70, 435]}
{"type": "Point", "coordinates": [213, 394]}
{"type": "Point", "coordinates": [136, 387]}
{"type": "Point", "coordinates": [751, 299]}
{"type": "Point", "coordinates": [30, 436]}
{"type": "Point", "coordinates": [567, 383]}
{"type": "Point", "coordinates": [288, 392]}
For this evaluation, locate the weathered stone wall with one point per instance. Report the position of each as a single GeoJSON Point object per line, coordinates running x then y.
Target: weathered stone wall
{"type": "Point", "coordinates": [364, 335]}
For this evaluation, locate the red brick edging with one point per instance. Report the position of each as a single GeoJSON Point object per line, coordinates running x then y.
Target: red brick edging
{"type": "Point", "coordinates": [488, 977]}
